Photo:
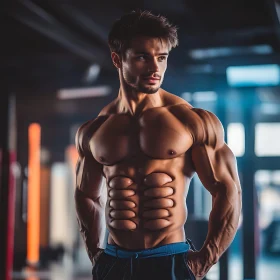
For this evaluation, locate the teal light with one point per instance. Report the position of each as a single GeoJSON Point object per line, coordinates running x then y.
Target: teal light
{"type": "Point", "coordinates": [253, 75]}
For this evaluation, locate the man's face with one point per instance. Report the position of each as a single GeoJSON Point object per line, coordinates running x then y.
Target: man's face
{"type": "Point", "coordinates": [144, 64]}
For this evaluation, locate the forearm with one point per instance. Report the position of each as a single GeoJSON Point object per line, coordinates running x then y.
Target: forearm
{"type": "Point", "coordinates": [91, 219]}
{"type": "Point", "coordinates": [223, 223]}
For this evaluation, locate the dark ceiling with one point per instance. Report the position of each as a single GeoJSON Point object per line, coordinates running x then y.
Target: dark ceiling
{"type": "Point", "coordinates": [50, 44]}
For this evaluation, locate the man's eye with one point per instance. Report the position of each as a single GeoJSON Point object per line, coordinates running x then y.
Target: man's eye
{"type": "Point", "coordinates": [161, 58]}
{"type": "Point", "coordinates": [141, 57]}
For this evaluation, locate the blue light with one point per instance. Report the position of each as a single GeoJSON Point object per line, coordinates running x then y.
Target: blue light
{"type": "Point", "coordinates": [253, 75]}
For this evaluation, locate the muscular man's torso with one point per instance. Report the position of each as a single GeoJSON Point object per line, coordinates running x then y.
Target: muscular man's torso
{"type": "Point", "coordinates": [147, 167]}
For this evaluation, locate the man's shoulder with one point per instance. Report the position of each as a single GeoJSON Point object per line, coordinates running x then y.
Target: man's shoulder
{"type": "Point", "coordinates": [208, 119]}
{"type": "Point", "coordinates": [109, 109]}
{"type": "Point", "coordinates": [86, 131]}
{"type": "Point", "coordinates": [172, 100]}
{"type": "Point", "coordinates": [93, 124]}
{"type": "Point", "coordinates": [177, 104]}
{"type": "Point", "coordinates": [202, 124]}
{"type": "Point", "coordinates": [181, 109]}
{"type": "Point", "coordinates": [209, 129]}
{"type": "Point", "coordinates": [189, 114]}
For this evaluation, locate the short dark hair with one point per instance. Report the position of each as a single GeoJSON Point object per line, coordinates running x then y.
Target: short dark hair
{"type": "Point", "coordinates": [141, 23]}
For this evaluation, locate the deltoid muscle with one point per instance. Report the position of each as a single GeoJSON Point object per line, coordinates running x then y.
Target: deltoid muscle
{"type": "Point", "coordinates": [153, 198]}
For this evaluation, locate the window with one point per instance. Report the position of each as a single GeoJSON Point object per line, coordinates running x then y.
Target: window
{"type": "Point", "coordinates": [236, 138]}
{"type": "Point", "coordinates": [267, 139]}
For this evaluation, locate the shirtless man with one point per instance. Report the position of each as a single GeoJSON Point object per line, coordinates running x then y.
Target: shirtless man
{"type": "Point", "coordinates": [147, 144]}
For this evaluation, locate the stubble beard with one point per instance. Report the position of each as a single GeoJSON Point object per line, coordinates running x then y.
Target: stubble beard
{"type": "Point", "coordinates": [131, 82]}
{"type": "Point", "coordinates": [146, 89]}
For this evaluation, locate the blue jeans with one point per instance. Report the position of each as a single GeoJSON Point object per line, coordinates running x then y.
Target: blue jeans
{"type": "Point", "coordinates": [167, 262]}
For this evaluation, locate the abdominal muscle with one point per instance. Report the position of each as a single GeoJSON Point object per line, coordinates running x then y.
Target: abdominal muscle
{"type": "Point", "coordinates": [145, 213]}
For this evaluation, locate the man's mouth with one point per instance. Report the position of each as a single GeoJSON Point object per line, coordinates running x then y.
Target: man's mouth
{"type": "Point", "coordinates": [156, 78]}
{"type": "Point", "coordinates": [152, 79]}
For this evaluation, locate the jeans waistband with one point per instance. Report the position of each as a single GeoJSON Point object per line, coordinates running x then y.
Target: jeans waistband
{"type": "Point", "coordinates": [161, 251]}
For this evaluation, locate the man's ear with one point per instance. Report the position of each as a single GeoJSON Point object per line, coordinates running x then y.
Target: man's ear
{"type": "Point", "coordinates": [116, 58]}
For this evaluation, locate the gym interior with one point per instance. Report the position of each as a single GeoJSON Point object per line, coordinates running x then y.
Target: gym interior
{"type": "Point", "coordinates": [56, 73]}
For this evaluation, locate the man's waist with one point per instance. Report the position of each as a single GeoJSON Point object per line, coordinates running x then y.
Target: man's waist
{"type": "Point", "coordinates": [159, 251]}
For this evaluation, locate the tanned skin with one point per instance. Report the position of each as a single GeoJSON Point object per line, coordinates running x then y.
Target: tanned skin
{"type": "Point", "coordinates": [148, 144]}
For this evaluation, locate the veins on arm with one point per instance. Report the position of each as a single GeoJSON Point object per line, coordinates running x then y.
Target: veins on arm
{"type": "Point", "coordinates": [89, 196]}
{"type": "Point", "coordinates": [216, 167]}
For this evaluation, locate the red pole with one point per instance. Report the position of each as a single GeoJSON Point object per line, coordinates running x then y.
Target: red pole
{"type": "Point", "coordinates": [7, 186]}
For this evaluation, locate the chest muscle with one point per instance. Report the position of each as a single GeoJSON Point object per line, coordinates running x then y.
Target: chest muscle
{"type": "Point", "coordinates": [158, 135]}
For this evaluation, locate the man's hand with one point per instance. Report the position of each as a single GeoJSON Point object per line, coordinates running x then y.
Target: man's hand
{"type": "Point", "coordinates": [97, 256]}
{"type": "Point", "coordinates": [215, 165]}
{"type": "Point", "coordinates": [198, 263]}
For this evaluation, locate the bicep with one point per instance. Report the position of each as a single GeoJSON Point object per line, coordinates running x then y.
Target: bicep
{"type": "Point", "coordinates": [89, 172]}
{"type": "Point", "coordinates": [89, 177]}
{"type": "Point", "coordinates": [216, 168]}
{"type": "Point", "coordinates": [90, 195]}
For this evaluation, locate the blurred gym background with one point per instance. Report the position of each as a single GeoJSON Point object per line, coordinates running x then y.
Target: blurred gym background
{"type": "Point", "coordinates": [56, 73]}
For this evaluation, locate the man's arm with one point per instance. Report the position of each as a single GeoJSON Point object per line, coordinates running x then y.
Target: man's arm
{"type": "Point", "coordinates": [216, 167]}
{"type": "Point", "coordinates": [90, 196]}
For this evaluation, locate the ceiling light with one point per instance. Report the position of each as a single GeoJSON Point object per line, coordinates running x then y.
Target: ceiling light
{"type": "Point", "coordinates": [78, 93]}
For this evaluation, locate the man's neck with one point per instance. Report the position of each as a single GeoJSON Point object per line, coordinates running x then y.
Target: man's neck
{"type": "Point", "coordinates": [134, 103]}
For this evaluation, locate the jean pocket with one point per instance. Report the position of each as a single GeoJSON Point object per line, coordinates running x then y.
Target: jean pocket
{"type": "Point", "coordinates": [191, 274]}
{"type": "Point", "coordinates": [103, 266]}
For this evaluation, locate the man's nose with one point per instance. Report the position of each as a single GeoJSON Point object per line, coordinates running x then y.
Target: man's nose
{"type": "Point", "coordinates": [153, 65]}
